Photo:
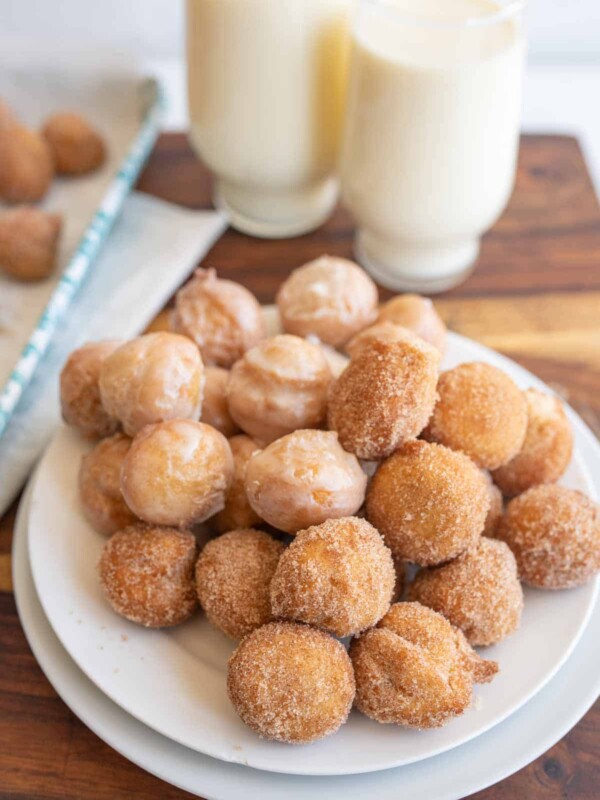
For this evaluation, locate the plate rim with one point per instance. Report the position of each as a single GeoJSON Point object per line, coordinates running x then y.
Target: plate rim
{"type": "Point", "coordinates": [355, 769]}
{"type": "Point", "coordinates": [305, 786]}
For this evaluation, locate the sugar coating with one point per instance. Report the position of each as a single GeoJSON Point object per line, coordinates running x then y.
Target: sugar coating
{"type": "Point", "coordinates": [29, 238]}
{"type": "Point", "coordinates": [416, 669]}
{"type": "Point", "coordinates": [400, 584]}
{"type": "Point", "coordinates": [381, 331]}
{"type": "Point", "coordinates": [291, 683]}
{"type": "Point", "coordinates": [338, 576]}
{"type": "Point", "coordinates": [156, 377]}
{"type": "Point", "coordinates": [80, 391]}
{"type": "Point", "coordinates": [496, 508]}
{"type": "Point", "coordinates": [77, 147]}
{"type": "Point", "coordinates": [481, 412]}
{"type": "Point", "coordinates": [419, 315]}
{"type": "Point", "coordinates": [100, 485]}
{"type": "Point", "coordinates": [177, 473]}
{"type": "Point", "coordinates": [384, 397]}
{"type": "Point", "coordinates": [221, 316]}
{"type": "Point", "coordinates": [215, 410]}
{"type": "Point", "coordinates": [279, 386]}
{"type": "Point", "coordinates": [479, 592]}
{"type": "Point", "coordinates": [147, 575]}
{"type": "Point", "coordinates": [428, 502]}
{"type": "Point", "coordinates": [233, 575]}
{"type": "Point", "coordinates": [331, 298]}
{"type": "Point", "coordinates": [26, 166]}
{"type": "Point", "coordinates": [554, 533]}
{"type": "Point", "coordinates": [304, 479]}
{"type": "Point", "coordinates": [547, 448]}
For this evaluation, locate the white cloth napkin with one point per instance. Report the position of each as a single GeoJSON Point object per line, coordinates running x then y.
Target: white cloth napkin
{"type": "Point", "coordinates": [151, 250]}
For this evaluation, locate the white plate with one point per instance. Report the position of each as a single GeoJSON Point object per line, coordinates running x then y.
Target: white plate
{"type": "Point", "coordinates": [467, 769]}
{"type": "Point", "coordinates": [174, 681]}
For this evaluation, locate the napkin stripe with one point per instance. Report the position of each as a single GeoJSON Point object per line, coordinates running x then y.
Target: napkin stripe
{"type": "Point", "coordinates": [87, 250]}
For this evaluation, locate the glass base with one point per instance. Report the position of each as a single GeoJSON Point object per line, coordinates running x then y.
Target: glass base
{"type": "Point", "coordinates": [276, 215]}
{"type": "Point", "coordinates": [423, 268]}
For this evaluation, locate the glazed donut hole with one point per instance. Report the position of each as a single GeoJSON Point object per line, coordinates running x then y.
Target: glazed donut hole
{"type": "Point", "coordinates": [291, 683]}
{"type": "Point", "coordinates": [304, 479]}
{"type": "Point", "coordinates": [233, 575]}
{"type": "Point", "coordinates": [428, 502]}
{"type": "Point", "coordinates": [147, 575]}
{"type": "Point", "coordinates": [80, 391]}
{"type": "Point", "coordinates": [415, 669]}
{"type": "Point", "coordinates": [222, 317]}
{"type": "Point", "coordinates": [237, 511]}
{"type": "Point", "coordinates": [154, 378]}
{"type": "Point", "coordinates": [479, 592]}
{"type": "Point", "coordinates": [331, 298]}
{"type": "Point", "coordinates": [384, 397]}
{"type": "Point", "coordinates": [177, 473]}
{"type": "Point", "coordinates": [554, 534]}
{"type": "Point", "coordinates": [338, 576]}
{"type": "Point", "coordinates": [100, 486]}
{"type": "Point", "coordinates": [215, 410]}
{"type": "Point", "coordinates": [337, 361]}
{"type": "Point", "coordinates": [419, 315]}
{"type": "Point", "coordinates": [278, 387]}
{"type": "Point", "coordinates": [481, 412]}
{"type": "Point", "coordinates": [546, 450]}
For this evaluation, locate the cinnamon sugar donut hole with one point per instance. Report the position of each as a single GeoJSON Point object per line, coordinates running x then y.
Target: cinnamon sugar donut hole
{"type": "Point", "coordinates": [291, 683]}
{"type": "Point", "coordinates": [221, 316]}
{"type": "Point", "coordinates": [154, 378]}
{"type": "Point", "coordinates": [278, 387]}
{"type": "Point", "coordinates": [384, 397]}
{"type": "Point", "coordinates": [338, 576]}
{"type": "Point", "coordinates": [177, 473]}
{"type": "Point", "coordinates": [304, 479]}
{"type": "Point", "coordinates": [496, 508]}
{"type": "Point", "coordinates": [428, 502]}
{"type": "Point", "coordinates": [237, 512]}
{"type": "Point", "coordinates": [400, 585]}
{"type": "Point", "coordinates": [233, 575]}
{"type": "Point", "coordinates": [331, 298]}
{"type": "Point", "coordinates": [547, 448]}
{"type": "Point", "coordinates": [419, 315]}
{"type": "Point", "coordinates": [554, 533]}
{"type": "Point", "coordinates": [380, 331]}
{"type": "Point", "coordinates": [80, 391]}
{"type": "Point", "coordinates": [147, 575]}
{"type": "Point", "coordinates": [215, 410]}
{"type": "Point", "coordinates": [481, 412]}
{"type": "Point", "coordinates": [100, 486]}
{"type": "Point", "coordinates": [479, 592]}
{"type": "Point", "coordinates": [416, 669]}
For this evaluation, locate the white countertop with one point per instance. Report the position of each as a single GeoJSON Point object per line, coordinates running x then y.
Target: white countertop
{"type": "Point", "coordinates": [559, 98]}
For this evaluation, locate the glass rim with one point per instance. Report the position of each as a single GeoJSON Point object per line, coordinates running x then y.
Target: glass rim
{"type": "Point", "coordinates": [505, 10]}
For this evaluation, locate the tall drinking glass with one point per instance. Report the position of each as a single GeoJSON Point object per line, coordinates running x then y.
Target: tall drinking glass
{"type": "Point", "coordinates": [431, 134]}
{"type": "Point", "coordinates": [266, 92]}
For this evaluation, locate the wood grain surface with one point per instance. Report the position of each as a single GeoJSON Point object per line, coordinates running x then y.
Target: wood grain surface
{"type": "Point", "coordinates": [535, 296]}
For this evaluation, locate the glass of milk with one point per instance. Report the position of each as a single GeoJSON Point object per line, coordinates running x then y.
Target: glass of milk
{"type": "Point", "coordinates": [266, 94]}
{"type": "Point", "coordinates": [431, 134]}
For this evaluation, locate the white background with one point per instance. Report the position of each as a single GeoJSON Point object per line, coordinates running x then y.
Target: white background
{"type": "Point", "coordinates": [560, 30]}
{"type": "Point", "coordinates": [562, 87]}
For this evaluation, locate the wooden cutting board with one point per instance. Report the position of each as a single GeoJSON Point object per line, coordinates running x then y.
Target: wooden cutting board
{"type": "Point", "coordinates": [535, 296]}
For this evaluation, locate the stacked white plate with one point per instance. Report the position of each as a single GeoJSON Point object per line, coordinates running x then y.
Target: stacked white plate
{"type": "Point", "coordinates": [159, 697]}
